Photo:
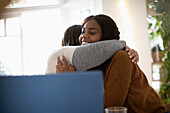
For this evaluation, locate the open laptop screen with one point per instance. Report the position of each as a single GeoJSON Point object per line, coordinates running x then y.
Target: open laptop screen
{"type": "Point", "coordinates": [76, 92]}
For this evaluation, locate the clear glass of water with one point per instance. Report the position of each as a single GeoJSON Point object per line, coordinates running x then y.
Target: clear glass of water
{"type": "Point", "coordinates": [116, 110]}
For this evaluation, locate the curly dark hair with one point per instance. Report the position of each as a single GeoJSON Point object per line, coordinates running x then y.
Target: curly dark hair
{"type": "Point", "coordinates": [107, 24]}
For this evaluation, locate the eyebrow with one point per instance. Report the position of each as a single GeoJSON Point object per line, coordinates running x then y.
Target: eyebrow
{"type": "Point", "coordinates": [93, 28]}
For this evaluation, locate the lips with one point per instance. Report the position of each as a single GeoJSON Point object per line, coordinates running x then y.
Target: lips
{"type": "Point", "coordinates": [84, 43]}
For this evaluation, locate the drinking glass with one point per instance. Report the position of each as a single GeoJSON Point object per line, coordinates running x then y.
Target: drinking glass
{"type": "Point", "coordinates": [116, 110]}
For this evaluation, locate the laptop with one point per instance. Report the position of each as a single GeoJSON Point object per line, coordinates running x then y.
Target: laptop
{"type": "Point", "coordinates": [75, 92]}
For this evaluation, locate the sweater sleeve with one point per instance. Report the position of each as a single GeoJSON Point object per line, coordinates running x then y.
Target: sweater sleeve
{"type": "Point", "coordinates": [67, 51]}
{"type": "Point", "coordinates": [92, 55]}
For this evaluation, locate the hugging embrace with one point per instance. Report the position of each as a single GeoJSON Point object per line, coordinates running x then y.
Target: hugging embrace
{"type": "Point", "coordinates": [95, 45]}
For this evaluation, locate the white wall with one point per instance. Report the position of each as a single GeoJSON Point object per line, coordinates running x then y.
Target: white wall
{"type": "Point", "coordinates": [96, 6]}
{"type": "Point", "coordinates": [130, 16]}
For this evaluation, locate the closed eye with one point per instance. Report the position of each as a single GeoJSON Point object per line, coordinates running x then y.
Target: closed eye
{"type": "Point", "coordinates": [92, 33]}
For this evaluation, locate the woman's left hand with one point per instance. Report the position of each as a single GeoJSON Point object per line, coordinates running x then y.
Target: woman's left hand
{"type": "Point", "coordinates": [132, 54]}
{"type": "Point", "coordinates": [63, 66]}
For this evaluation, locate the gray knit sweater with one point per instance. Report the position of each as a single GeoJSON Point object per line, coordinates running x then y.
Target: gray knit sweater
{"type": "Point", "coordinates": [86, 56]}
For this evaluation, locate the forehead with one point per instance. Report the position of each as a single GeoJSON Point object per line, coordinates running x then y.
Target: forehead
{"type": "Point", "coordinates": [92, 24]}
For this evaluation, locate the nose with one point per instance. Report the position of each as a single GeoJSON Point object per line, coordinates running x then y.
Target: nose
{"type": "Point", "coordinates": [85, 35]}
{"type": "Point", "coordinates": [85, 38]}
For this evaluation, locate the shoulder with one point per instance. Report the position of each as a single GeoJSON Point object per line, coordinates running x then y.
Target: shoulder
{"type": "Point", "coordinates": [65, 50]}
{"type": "Point", "coordinates": [122, 56]}
{"type": "Point", "coordinates": [121, 53]}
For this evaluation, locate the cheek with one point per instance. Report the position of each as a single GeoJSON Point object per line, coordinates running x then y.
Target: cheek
{"type": "Point", "coordinates": [80, 38]}
{"type": "Point", "coordinates": [96, 38]}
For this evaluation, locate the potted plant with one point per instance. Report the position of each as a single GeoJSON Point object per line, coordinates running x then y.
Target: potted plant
{"type": "Point", "coordinates": [163, 6]}
{"type": "Point", "coordinates": [156, 54]}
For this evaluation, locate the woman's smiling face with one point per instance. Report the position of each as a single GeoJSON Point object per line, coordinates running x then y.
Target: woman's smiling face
{"type": "Point", "coordinates": [91, 32]}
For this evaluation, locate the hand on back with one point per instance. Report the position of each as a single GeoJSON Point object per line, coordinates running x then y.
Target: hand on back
{"type": "Point", "coordinates": [133, 55]}
{"type": "Point", "coordinates": [63, 66]}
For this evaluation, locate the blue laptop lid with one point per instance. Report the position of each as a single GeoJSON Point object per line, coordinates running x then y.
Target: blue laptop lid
{"type": "Point", "coordinates": [77, 92]}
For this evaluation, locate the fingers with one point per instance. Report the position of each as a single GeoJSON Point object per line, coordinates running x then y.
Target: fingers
{"type": "Point", "coordinates": [71, 68]}
{"type": "Point", "coordinates": [64, 61]}
{"type": "Point", "coordinates": [67, 68]}
{"type": "Point", "coordinates": [58, 61]}
{"type": "Point", "coordinates": [135, 59]}
{"type": "Point", "coordinates": [127, 49]}
{"type": "Point", "coordinates": [57, 68]}
{"type": "Point", "coordinates": [134, 56]}
{"type": "Point", "coordinates": [63, 66]}
{"type": "Point", "coordinates": [132, 53]}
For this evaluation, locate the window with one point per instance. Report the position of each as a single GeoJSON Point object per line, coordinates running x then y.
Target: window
{"type": "Point", "coordinates": [27, 40]}
{"type": "Point", "coordinates": [41, 35]}
{"type": "Point", "coordinates": [10, 48]}
{"type": "Point", "coordinates": [77, 16]}
{"type": "Point", "coordinates": [28, 36]}
{"type": "Point", "coordinates": [2, 27]}
{"type": "Point", "coordinates": [32, 3]}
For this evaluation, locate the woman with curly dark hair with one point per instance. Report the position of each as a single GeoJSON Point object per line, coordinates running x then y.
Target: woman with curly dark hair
{"type": "Point", "coordinates": [124, 82]}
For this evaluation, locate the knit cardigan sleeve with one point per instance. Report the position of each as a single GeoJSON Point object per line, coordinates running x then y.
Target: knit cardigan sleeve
{"type": "Point", "coordinates": [86, 56]}
{"type": "Point", "coordinates": [94, 54]}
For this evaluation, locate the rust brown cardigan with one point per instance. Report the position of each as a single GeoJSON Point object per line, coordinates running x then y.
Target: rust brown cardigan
{"type": "Point", "coordinates": [126, 85]}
